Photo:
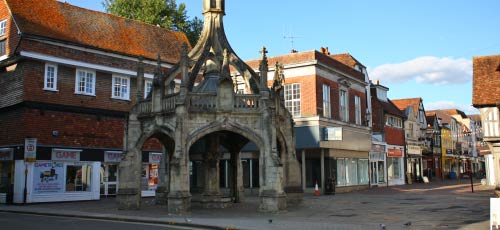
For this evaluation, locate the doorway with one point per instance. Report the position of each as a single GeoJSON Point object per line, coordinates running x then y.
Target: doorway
{"type": "Point", "coordinates": [109, 179]}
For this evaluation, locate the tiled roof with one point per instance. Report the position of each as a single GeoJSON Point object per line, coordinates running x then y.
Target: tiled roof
{"type": "Point", "coordinates": [307, 56]}
{"type": "Point", "coordinates": [443, 116]}
{"type": "Point", "coordinates": [64, 22]}
{"type": "Point", "coordinates": [402, 104]}
{"type": "Point", "coordinates": [475, 117]}
{"type": "Point", "coordinates": [390, 108]}
{"type": "Point", "coordinates": [455, 112]}
{"type": "Point", "coordinates": [346, 59]}
{"type": "Point", "coordinates": [486, 81]}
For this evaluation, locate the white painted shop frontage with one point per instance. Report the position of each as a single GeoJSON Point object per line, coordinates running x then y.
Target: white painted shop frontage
{"type": "Point", "coordinates": [62, 178]}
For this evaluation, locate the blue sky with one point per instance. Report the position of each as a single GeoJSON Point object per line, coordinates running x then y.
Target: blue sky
{"type": "Point", "coordinates": [418, 48]}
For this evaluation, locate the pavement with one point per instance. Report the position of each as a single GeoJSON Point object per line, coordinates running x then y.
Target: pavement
{"type": "Point", "coordinates": [436, 205]}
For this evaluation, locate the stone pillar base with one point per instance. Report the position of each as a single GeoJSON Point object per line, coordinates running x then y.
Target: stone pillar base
{"type": "Point", "coordinates": [179, 202]}
{"type": "Point", "coordinates": [294, 196]}
{"type": "Point", "coordinates": [128, 199]}
{"type": "Point", "coordinates": [271, 201]}
{"type": "Point", "coordinates": [215, 201]}
{"type": "Point", "coordinates": [161, 196]}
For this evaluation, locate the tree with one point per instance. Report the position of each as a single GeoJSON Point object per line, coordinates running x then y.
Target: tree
{"type": "Point", "coordinates": [163, 13]}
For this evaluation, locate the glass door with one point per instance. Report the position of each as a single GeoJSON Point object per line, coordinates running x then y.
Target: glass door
{"type": "Point", "coordinates": [374, 172]}
{"type": "Point", "coordinates": [109, 179]}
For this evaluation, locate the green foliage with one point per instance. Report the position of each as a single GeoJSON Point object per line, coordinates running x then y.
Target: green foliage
{"type": "Point", "coordinates": [164, 13]}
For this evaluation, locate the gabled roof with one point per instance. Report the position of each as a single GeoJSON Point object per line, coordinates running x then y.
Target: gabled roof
{"type": "Point", "coordinates": [59, 21]}
{"type": "Point", "coordinates": [402, 104]}
{"type": "Point", "coordinates": [347, 59]}
{"type": "Point", "coordinates": [442, 115]}
{"type": "Point", "coordinates": [455, 112]}
{"type": "Point", "coordinates": [486, 81]}
{"type": "Point", "coordinates": [308, 56]}
{"type": "Point", "coordinates": [390, 108]}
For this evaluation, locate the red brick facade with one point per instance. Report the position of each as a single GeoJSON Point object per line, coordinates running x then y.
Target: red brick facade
{"type": "Point", "coordinates": [312, 85]}
{"type": "Point", "coordinates": [63, 118]}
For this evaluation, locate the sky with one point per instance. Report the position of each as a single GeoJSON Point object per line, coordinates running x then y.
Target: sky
{"type": "Point", "coordinates": [419, 48]}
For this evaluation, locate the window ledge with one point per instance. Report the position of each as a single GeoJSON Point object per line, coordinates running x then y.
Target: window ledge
{"type": "Point", "coordinates": [85, 94]}
{"type": "Point", "coordinates": [52, 90]}
{"type": "Point", "coordinates": [121, 98]}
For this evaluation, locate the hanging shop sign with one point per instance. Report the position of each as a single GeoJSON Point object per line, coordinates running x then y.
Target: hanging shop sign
{"type": "Point", "coordinates": [154, 158]}
{"type": "Point", "coordinates": [48, 177]}
{"type": "Point", "coordinates": [66, 154]}
{"type": "Point", "coordinates": [394, 153]}
{"type": "Point", "coordinates": [6, 154]}
{"type": "Point", "coordinates": [113, 156]}
{"type": "Point", "coordinates": [30, 149]}
{"type": "Point", "coordinates": [414, 150]}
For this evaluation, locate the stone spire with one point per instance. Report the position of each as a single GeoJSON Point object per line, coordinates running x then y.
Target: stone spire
{"type": "Point", "coordinates": [216, 6]}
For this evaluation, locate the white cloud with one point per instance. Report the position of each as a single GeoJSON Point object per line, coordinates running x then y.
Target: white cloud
{"type": "Point", "coordinates": [467, 109]}
{"type": "Point", "coordinates": [425, 70]}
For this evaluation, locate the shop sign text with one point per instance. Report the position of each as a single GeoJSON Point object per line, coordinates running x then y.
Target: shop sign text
{"type": "Point", "coordinates": [65, 155]}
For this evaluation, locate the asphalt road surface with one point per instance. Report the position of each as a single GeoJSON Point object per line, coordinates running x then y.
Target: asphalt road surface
{"type": "Point", "coordinates": [13, 221]}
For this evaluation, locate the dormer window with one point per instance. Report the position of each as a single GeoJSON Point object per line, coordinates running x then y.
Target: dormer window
{"type": "Point", "coordinates": [3, 27]}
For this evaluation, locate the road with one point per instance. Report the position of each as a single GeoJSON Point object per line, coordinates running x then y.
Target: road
{"type": "Point", "coordinates": [13, 221]}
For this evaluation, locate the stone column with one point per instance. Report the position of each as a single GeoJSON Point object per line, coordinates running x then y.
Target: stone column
{"type": "Point", "coordinates": [179, 197]}
{"type": "Point", "coordinates": [211, 197]}
{"type": "Point", "coordinates": [236, 178]}
{"type": "Point", "coordinates": [162, 189]}
{"type": "Point", "coordinates": [129, 169]}
{"type": "Point", "coordinates": [272, 196]}
{"type": "Point", "coordinates": [128, 196]}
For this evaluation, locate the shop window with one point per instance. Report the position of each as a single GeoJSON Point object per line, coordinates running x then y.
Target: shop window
{"type": "Point", "coordinates": [78, 178]}
{"type": "Point", "coordinates": [341, 172]}
{"type": "Point", "coordinates": [351, 172]}
{"type": "Point", "coordinates": [363, 171]}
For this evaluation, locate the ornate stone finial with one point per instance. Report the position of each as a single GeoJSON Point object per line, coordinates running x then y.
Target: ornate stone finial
{"type": "Point", "coordinates": [140, 79]}
{"type": "Point", "coordinates": [184, 51]}
{"type": "Point", "coordinates": [279, 76]}
{"type": "Point", "coordinates": [263, 60]}
{"type": "Point", "coordinates": [158, 73]}
{"type": "Point", "coordinates": [225, 65]}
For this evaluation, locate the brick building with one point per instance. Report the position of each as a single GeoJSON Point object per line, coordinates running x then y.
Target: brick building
{"type": "Point", "coordinates": [327, 99]}
{"type": "Point", "coordinates": [415, 124]}
{"type": "Point", "coordinates": [67, 82]}
{"type": "Point", "coordinates": [388, 138]}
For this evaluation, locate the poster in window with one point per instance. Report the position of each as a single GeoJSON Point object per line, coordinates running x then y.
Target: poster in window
{"type": "Point", "coordinates": [48, 177]}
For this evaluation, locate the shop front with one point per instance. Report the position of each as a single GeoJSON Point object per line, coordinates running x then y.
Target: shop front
{"type": "Point", "coordinates": [378, 172]}
{"type": "Point", "coordinates": [414, 163]}
{"type": "Point", "coordinates": [6, 172]}
{"type": "Point", "coordinates": [149, 180]}
{"type": "Point", "coordinates": [395, 167]}
{"type": "Point", "coordinates": [64, 177]}
{"type": "Point", "coordinates": [109, 173]}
